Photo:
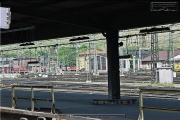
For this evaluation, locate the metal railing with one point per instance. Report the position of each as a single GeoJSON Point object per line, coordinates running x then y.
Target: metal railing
{"type": "Point", "coordinates": [33, 100]}
{"type": "Point", "coordinates": [153, 90]}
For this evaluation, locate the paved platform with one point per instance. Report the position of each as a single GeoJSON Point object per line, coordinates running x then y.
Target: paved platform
{"type": "Point", "coordinates": [82, 103]}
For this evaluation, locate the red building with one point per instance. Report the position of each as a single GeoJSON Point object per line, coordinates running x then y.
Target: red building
{"type": "Point", "coordinates": [18, 65]}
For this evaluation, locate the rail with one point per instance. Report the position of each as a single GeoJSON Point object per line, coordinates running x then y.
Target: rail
{"type": "Point", "coordinates": [33, 100]}
{"type": "Point", "coordinates": [152, 90]}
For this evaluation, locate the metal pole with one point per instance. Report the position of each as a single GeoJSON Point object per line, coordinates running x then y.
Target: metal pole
{"type": "Point", "coordinates": [13, 97]}
{"type": "Point", "coordinates": [171, 50]}
{"type": "Point", "coordinates": [134, 63]}
{"type": "Point", "coordinates": [49, 57]}
{"type": "Point", "coordinates": [56, 69]}
{"type": "Point", "coordinates": [140, 62]}
{"type": "Point", "coordinates": [89, 62]}
{"type": "Point", "coordinates": [2, 63]}
{"type": "Point", "coordinates": [19, 61]}
{"type": "Point", "coordinates": [39, 59]}
{"type": "Point", "coordinates": [89, 58]}
{"type": "Point", "coordinates": [89, 65]}
{"type": "Point", "coordinates": [77, 59]}
{"type": "Point", "coordinates": [23, 61]}
{"type": "Point", "coordinates": [32, 99]}
{"type": "Point", "coordinates": [36, 60]}
{"type": "Point", "coordinates": [44, 68]}
{"type": "Point", "coordinates": [57, 58]}
{"type": "Point", "coordinates": [141, 116]}
{"type": "Point", "coordinates": [10, 66]}
{"type": "Point", "coordinates": [95, 59]}
{"type": "Point", "coordinates": [154, 55]}
{"type": "Point", "coordinates": [53, 101]}
{"type": "Point", "coordinates": [7, 71]}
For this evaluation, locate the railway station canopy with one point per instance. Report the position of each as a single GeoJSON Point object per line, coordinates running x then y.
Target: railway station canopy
{"type": "Point", "coordinates": [64, 18]}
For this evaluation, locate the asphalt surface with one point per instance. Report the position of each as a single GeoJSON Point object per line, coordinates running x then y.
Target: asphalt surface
{"type": "Point", "coordinates": [76, 97]}
{"type": "Point", "coordinates": [81, 103]}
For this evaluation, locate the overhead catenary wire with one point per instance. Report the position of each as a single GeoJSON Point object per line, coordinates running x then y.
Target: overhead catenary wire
{"type": "Point", "coordinates": [140, 34]}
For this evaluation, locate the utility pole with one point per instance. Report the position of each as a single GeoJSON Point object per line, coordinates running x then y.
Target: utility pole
{"type": "Point", "coordinates": [35, 49]}
{"type": "Point", "coordinates": [57, 59]}
{"type": "Point", "coordinates": [154, 55]}
{"type": "Point", "coordinates": [140, 61]}
{"type": "Point", "coordinates": [95, 59]}
{"type": "Point", "coordinates": [134, 63]}
{"type": "Point", "coordinates": [77, 58]}
{"type": "Point", "coordinates": [89, 64]}
{"type": "Point", "coordinates": [59, 62]}
{"type": "Point", "coordinates": [89, 58]}
{"type": "Point", "coordinates": [10, 65]}
{"type": "Point", "coordinates": [171, 50]}
{"type": "Point", "coordinates": [44, 68]}
{"type": "Point", "coordinates": [23, 61]}
{"type": "Point", "coordinates": [49, 57]}
{"type": "Point", "coordinates": [2, 63]}
{"type": "Point", "coordinates": [18, 63]}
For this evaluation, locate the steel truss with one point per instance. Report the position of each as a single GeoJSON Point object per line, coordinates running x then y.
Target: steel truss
{"type": "Point", "coordinates": [154, 55]}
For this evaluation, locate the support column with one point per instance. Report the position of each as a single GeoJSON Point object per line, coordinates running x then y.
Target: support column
{"type": "Point", "coordinates": [113, 71]}
{"type": "Point", "coordinates": [113, 64]}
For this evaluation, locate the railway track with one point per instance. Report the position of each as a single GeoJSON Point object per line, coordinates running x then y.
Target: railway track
{"type": "Point", "coordinates": [130, 84]}
{"type": "Point", "coordinates": [97, 88]}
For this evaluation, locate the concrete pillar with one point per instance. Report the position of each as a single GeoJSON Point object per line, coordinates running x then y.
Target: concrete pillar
{"type": "Point", "coordinates": [113, 64]}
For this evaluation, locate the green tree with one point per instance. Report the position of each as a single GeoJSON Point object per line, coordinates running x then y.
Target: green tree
{"type": "Point", "coordinates": [67, 55]}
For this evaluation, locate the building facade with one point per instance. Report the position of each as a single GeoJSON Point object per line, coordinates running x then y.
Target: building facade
{"type": "Point", "coordinates": [92, 61]}
{"type": "Point", "coordinates": [163, 59]}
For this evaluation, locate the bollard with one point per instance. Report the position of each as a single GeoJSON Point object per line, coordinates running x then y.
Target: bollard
{"type": "Point", "coordinates": [32, 99]}
{"type": "Point", "coordinates": [41, 118]}
{"type": "Point", "coordinates": [53, 102]}
{"type": "Point", "coordinates": [13, 98]}
{"type": "Point", "coordinates": [141, 116]}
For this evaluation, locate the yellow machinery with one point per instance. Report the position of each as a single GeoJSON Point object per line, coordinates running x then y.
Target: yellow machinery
{"type": "Point", "coordinates": [176, 67]}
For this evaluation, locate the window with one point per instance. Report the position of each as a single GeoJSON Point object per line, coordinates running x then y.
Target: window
{"type": "Point", "coordinates": [103, 61]}
{"type": "Point", "coordinates": [98, 62]}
